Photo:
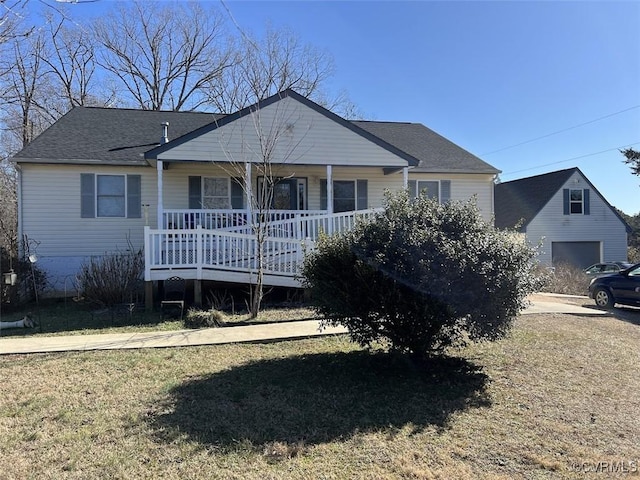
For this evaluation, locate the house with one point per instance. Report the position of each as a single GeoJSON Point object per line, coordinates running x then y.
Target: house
{"type": "Point", "coordinates": [184, 185]}
{"type": "Point", "coordinates": [564, 213]}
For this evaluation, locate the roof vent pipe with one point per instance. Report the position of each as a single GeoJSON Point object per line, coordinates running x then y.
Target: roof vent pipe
{"type": "Point", "coordinates": [165, 132]}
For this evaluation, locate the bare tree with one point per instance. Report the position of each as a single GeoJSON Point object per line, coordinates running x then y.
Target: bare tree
{"type": "Point", "coordinates": [269, 146]}
{"type": "Point", "coordinates": [12, 14]}
{"type": "Point", "coordinates": [165, 55]}
{"type": "Point", "coordinates": [8, 206]}
{"type": "Point", "coordinates": [26, 77]}
{"type": "Point", "coordinates": [278, 61]}
{"type": "Point", "coordinates": [71, 61]}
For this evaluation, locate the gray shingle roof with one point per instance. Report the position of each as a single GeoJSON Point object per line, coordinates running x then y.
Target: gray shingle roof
{"type": "Point", "coordinates": [108, 135]}
{"type": "Point", "coordinates": [89, 135]}
{"type": "Point", "coordinates": [435, 153]}
{"type": "Point", "coordinates": [521, 200]}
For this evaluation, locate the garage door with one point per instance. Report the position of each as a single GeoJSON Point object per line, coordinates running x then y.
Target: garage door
{"type": "Point", "coordinates": [580, 254]}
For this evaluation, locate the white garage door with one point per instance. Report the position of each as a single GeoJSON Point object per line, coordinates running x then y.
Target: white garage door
{"type": "Point", "coordinates": [579, 254]}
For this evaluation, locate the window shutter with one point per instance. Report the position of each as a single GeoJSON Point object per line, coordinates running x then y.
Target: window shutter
{"type": "Point", "coordinates": [413, 189]}
{"type": "Point", "coordinates": [87, 195]}
{"type": "Point", "coordinates": [195, 192]}
{"type": "Point", "coordinates": [237, 193]}
{"type": "Point", "coordinates": [134, 196]}
{"type": "Point", "coordinates": [585, 199]}
{"type": "Point", "coordinates": [565, 196]}
{"type": "Point", "coordinates": [323, 194]}
{"type": "Point", "coordinates": [445, 191]}
{"type": "Point", "coordinates": [362, 202]}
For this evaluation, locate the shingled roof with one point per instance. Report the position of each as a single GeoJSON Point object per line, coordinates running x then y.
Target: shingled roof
{"type": "Point", "coordinates": [521, 200]}
{"type": "Point", "coordinates": [113, 136]}
{"type": "Point", "coordinates": [435, 153]}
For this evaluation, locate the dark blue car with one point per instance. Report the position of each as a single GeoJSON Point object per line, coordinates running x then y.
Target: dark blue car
{"type": "Point", "coordinates": [622, 287]}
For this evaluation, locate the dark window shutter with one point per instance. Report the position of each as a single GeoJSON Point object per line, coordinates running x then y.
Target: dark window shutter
{"type": "Point", "coordinates": [445, 191]}
{"type": "Point", "coordinates": [585, 199]}
{"type": "Point", "coordinates": [134, 196]}
{"type": "Point", "coordinates": [87, 195]}
{"type": "Point", "coordinates": [323, 194]}
{"type": "Point", "coordinates": [195, 192]}
{"type": "Point", "coordinates": [363, 200]}
{"type": "Point", "coordinates": [237, 193]}
{"type": "Point", "coordinates": [413, 189]}
{"type": "Point", "coordinates": [565, 196]}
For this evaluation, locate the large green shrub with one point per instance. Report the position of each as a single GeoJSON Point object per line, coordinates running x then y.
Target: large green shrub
{"type": "Point", "coordinates": [420, 276]}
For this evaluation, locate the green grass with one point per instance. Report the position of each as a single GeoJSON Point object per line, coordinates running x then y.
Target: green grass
{"type": "Point", "coordinates": [561, 390]}
{"type": "Point", "coordinates": [57, 317]}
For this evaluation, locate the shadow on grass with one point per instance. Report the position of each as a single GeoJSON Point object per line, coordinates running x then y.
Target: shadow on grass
{"type": "Point", "coordinates": [621, 312]}
{"type": "Point", "coordinates": [317, 398]}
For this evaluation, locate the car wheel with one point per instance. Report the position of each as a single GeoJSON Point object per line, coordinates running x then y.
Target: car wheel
{"type": "Point", "coordinates": [603, 298]}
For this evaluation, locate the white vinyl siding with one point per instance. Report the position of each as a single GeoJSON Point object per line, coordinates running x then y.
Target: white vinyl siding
{"type": "Point", "coordinates": [465, 187]}
{"type": "Point", "coordinates": [601, 225]}
{"type": "Point", "coordinates": [51, 211]}
{"type": "Point", "coordinates": [305, 136]}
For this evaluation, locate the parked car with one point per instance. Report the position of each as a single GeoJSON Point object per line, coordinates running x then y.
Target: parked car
{"type": "Point", "coordinates": [606, 268]}
{"type": "Point", "coordinates": [622, 287]}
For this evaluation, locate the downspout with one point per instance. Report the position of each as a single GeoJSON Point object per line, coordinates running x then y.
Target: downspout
{"type": "Point", "coordinates": [159, 169]}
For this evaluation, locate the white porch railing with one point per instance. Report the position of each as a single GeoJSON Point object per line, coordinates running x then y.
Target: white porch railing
{"type": "Point", "coordinates": [232, 246]}
{"type": "Point", "coordinates": [298, 224]}
{"type": "Point", "coordinates": [200, 249]}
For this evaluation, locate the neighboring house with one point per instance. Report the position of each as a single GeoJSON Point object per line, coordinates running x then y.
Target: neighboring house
{"type": "Point", "coordinates": [101, 180]}
{"type": "Point", "coordinates": [564, 212]}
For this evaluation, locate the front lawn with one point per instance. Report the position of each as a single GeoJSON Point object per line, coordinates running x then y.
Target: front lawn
{"type": "Point", "coordinates": [556, 398]}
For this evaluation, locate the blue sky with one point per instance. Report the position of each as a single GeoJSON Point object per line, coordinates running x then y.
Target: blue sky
{"type": "Point", "coordinates": [486, 75]}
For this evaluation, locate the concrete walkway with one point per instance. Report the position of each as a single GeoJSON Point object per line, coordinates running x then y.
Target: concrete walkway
{"type": "Point", "coordinates": [214, 336]}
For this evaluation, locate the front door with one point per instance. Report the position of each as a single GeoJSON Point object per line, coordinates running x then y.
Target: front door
{"type": "Point", "coordinates": [288, 194]}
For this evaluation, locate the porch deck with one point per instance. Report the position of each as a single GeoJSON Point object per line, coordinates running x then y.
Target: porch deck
{"type": "Point", "coordinates": [222, 245]}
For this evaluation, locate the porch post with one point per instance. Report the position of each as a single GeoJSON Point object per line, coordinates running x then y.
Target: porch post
{"type": "Point", "coordinates": [247, 191]}
{"type": "Point", "coordinates": [405, 177]}
{"type": "Point", "coordinates": [329, 188]}
{"type": "Point", "coordinates": [159, 167]}
{"type": "Point", "coordinates": [330, 196]}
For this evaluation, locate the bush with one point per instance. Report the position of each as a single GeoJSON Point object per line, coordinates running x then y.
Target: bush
{"type": "Point", "coordinates": [112, 279]}
{"type": "Point", "coordinates": [204, 318]}
{"type": "Point", "coordinates": [421, 276]}
{"type": "Point", "coordinates": [568, 280]}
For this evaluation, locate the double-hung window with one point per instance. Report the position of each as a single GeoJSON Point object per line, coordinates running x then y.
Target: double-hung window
{"type": "Point", "coordinates": [215, 193]}
{"type": "Point", "coordinates": [110, 196]}
{"type": "Point", "coordinates": [576, 201]}
{"type": "Point", "coordinates": [439, 190]}
{"type": "Point", "coordinates": [348, 195]}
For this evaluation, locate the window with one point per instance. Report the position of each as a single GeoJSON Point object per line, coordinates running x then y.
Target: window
{"type": "Point", "coordinates": [215, 193]}
{"type": "Point", "coordinates": [348, 195]}
{"type": "Point", "coordinates": [576, 201]}
{"type": "Point", "coordinates": [439, 190]}
{"type": "Point", "coordinates": [110, 196]}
